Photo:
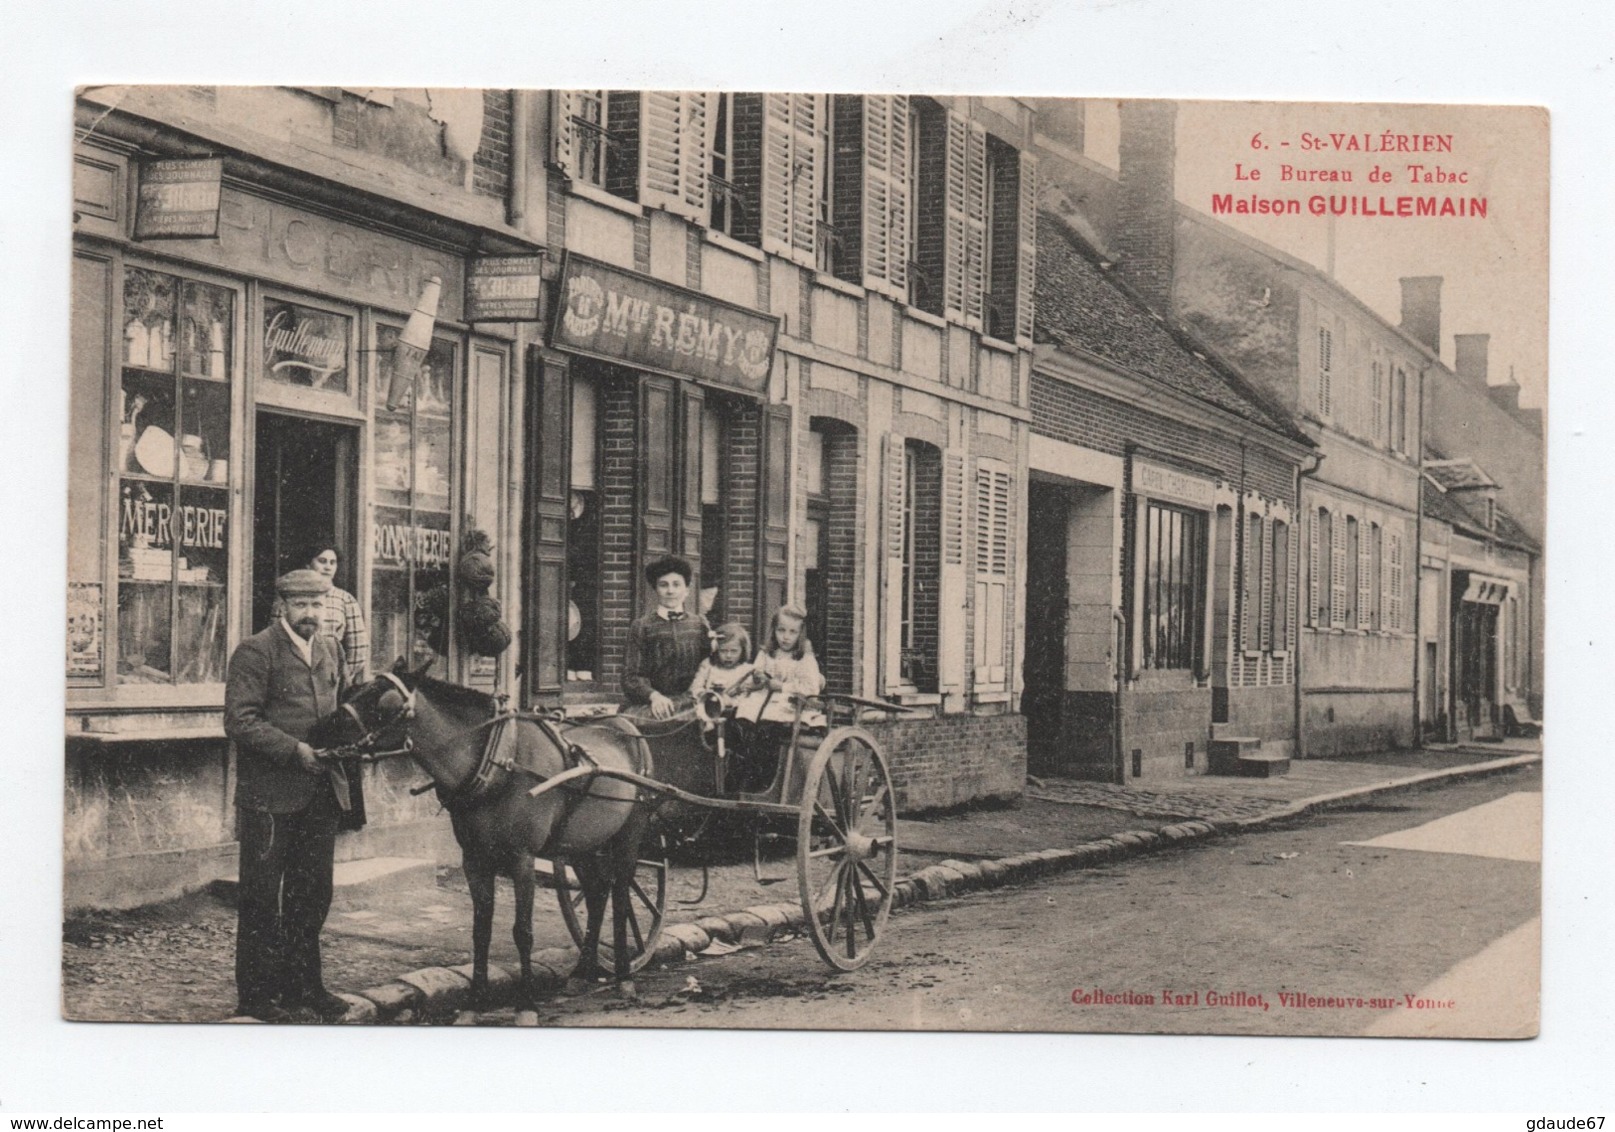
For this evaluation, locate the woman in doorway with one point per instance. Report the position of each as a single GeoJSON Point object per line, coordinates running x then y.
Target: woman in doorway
{"type": "Point", "coordinates": [344, 620]}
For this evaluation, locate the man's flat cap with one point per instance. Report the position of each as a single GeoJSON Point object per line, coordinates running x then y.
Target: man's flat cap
{"type": "Point", "coordinates": [303, 583]}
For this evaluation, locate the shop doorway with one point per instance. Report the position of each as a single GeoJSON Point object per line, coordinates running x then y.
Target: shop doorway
{"type": "Point", "coordinates": [1474, 642]}
{"type": "Point", "coordinates": [305, 487]}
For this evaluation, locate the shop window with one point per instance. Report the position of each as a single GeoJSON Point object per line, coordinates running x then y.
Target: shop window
{"type": "Point", "coordinates": [1174, 587]}
{"type": "Point", "coordinates": [173, 465]}
{"type": "Point", "coordinates": [411, 591]}
{"type": "Point", "coordinates": [583, 535]}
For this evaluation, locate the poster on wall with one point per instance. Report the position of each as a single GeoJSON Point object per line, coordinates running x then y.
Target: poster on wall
{"type": "Point", "coordinates": [84, 633]}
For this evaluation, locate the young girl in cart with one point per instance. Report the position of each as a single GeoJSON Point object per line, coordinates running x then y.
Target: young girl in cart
{"type": "Point", "coordinates": [785, 668]}
{"type": "Point", "coordinates": [726, 671]}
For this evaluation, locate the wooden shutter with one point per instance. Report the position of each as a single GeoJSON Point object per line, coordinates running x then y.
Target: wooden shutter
{"type": "Point", "coordinates": [691, 400]}
{"type": "Point", "coordinates": [951, 612]}
{"type": "Point", "coordinates": [884, 213]}
{"type": "Point", "coordinates": [1264, 596]}
{"type": "Point", "coordinates": [1365, 576]}
{"type": "Point", "coordinates": [1326, 350]}
{"type": "Point", "coordinates": [659, 470]}
{"type": "Point", "coordinates": [1313, 566]}
{"type": "Point", "coordinates": [1278, 617]}
{"type": "Point", "coordinates": [1337, 572]}
{"type": "Point", "coordinates": [965, 230]}
{"type": "Point", "coordinates": [891, 542]}
{"type": "Point", "coordinates": [1393, 582]}
{"type": "Point", "coordinates": [563, 134]}
{"type": "Point", "coordinates": [993, 490]}
{"type": "Point", "coordinates": [774, 517]}
{"type": "Point", "coordinates": [673, 152]}
{"type": "Point", "coordinates": [1026, 265]}
{"type": "Point", "coordinates": [791, 124]}
{"type": "Point", "coordinates": [549, 463]}
{"type": "Point", "coordinates": [1252, 581]}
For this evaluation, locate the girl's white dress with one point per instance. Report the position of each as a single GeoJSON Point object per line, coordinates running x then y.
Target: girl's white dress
{"type": "Point", "coordinates": [715, 678]}
{"type": "Point", "coordinates": [800, 677]}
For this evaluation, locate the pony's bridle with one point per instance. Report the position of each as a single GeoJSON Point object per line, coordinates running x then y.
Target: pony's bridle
{"type": "Point", "coordinates": [364, 748]}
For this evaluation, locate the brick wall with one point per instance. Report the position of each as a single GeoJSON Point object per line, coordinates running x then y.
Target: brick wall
{"type": "Point", "coordinates": [742, 471]}
{"type": "Point", "coordinates": [622, 160]}
{"type": "Point", "coordinates": [746, 168]}
{"type": "Point", "coordinates": [1092, 420]}
{"type": "Point", "coordinates": [490, 174]}
{"type": "Point", "coordinates": [927, 200]}
{"type": "Point", "coordinates": [1002, 272]}
{"type": "Point", "coordinates": [940, 763]}
{"type": "Point", "coordinates": [619, 467]}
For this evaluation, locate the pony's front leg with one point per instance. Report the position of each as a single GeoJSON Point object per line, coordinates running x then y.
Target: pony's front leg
{"type": "Point", "coordinates": [479, 878]}
{"type": "Point", "coordinates": [620, 896]}
{"type": "Point", "coordinates": [522, 930]}
{"type": "Point", "coordinates": [593, 883]}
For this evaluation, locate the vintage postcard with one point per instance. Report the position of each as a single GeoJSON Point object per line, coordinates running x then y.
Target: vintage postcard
{"type": "Point", "coordinates": [805, 561]}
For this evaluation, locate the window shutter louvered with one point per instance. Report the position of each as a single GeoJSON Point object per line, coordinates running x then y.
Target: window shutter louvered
{"type": "Point", "coordinates": [775, 511]}
{"type": "Point", "coordinates": [777, 161]}
{"type": "Point", "coordinates": [899, 211]}
{"type": "Point", "coordinates": [563, 134]}
{"type": "Point", "coordinates": [1265, 593]}
{"type": "Point", "coordinates": [807, 120]}
{"type": "Point", "coordinates": [1026, 266]}
{"type": "Point", "coordinates": [1252, 581]}
{"type": "Point", "coordinates": [1278, 617]}
{"type": "Point", "coordinates": [1314, 564]}
{"type": "Point", "coordinates": [891, 540]}
{"type": "Point", "coordinates": [884, 218]}
{"type": "Point", "coordinates": [953, 598]}
{"type": "Point", "coordinates": [1337, 573]}
{"type": "Point", "coordinates": [992, 576]}
{"type": "Point", "coordinates": [1393, 603]}
{"type": "Point", "coordinates": [965, 231]}
{"type": "Point", "coordinates": [1365, 577]}
{"type": "Point", "coordinates": [673, 152]}
{"type": "Point", "coordinates": [1326, 351]}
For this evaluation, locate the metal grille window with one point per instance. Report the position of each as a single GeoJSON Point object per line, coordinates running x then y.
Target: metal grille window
{"type": "Point", "coordinates": [1174, 586]}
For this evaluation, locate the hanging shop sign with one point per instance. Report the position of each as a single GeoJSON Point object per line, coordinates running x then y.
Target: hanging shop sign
{"type": "Point", "coordinates": [609, 313]}
{"type": "Point", "coordinates": [179, 200]}
{"type": "Point", "coordinates": [504, 288]}
{"type": "Point", "coordinates": [1160, 482]}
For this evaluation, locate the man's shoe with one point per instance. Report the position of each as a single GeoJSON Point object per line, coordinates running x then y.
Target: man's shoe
{"type": "Point", "coordinates": [327, 1006]}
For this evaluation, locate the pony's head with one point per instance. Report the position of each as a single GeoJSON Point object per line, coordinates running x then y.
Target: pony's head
{"type": "Point", "coordinates": [374, 714]}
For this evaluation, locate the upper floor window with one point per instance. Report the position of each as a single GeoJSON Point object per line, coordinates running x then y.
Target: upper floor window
{"type": "Point", "coordinates": [1399, 409]}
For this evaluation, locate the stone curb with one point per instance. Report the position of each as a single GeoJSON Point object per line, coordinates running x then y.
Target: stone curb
{"type": "Point", "coordinates": [438, 990]}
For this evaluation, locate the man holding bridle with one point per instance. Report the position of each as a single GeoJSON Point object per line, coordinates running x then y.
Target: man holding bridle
{"type": "Point", "coordinates": [281, 681]}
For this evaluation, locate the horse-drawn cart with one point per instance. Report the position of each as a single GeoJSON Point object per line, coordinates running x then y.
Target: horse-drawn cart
{"type": "Point", "coordinates": [591, 797]}
{"type": "Point", "coordinates": [831, 783]}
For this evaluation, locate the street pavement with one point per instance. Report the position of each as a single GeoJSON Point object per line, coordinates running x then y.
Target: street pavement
{"type": "Point", "coordinates": [371, 941]}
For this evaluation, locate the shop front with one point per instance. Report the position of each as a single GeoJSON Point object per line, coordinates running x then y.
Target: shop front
{"type": "Point", "coordinates": [234, 404]}
{"type": "Point", "coordinates": [650, 433]}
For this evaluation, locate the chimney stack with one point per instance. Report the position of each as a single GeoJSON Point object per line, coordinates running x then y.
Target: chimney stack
{"type": "Point", "coordinates": [1148, 208]}
{"type": "Point", "coordinates": [1470, 360]}
{"type": "Point", "coordinates": [1421, 309]}
{"type": "Point", "coordinates": [1505, 396]}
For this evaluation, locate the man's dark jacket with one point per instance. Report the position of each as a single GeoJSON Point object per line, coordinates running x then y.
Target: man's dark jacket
{"type": "Point", "coordinates": [271, 701]}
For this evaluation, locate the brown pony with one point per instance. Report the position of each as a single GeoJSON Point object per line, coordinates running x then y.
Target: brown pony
{"type": "Point", "coordinates": [484, 762]}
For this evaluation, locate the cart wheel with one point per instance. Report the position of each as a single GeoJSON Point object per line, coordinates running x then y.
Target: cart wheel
{"type": "Point", "coordinates": [846, 846]}
{"type": "Point", "coordinates": [648, 903]}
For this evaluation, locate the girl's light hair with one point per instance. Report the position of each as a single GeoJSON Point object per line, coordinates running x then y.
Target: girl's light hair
{"type": "Point", "coordinates": [797, 613]}
{"type": "Point", "coordinates": [731, 632]}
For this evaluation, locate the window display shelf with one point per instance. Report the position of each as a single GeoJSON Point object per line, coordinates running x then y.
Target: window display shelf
{"type": "Point", "coordinates": [150, 371]}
